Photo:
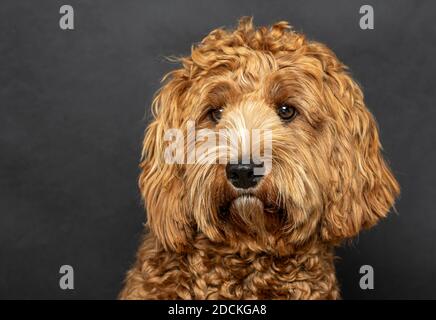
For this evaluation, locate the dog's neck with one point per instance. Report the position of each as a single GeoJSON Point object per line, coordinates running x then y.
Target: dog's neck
{"type": "Point", "coordinates": [207, 270]}
{"type": "Point", "coordinates": [252, 247]}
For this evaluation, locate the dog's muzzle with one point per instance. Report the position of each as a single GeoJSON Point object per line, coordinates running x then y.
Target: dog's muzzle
{"type": "Point", "coordinates": [243, 175]}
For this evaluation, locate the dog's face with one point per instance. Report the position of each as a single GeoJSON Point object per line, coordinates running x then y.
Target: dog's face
{"type": "Point", "coordinates": [326, 177]}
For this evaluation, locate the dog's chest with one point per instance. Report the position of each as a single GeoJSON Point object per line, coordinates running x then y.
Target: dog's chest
{"type": "Point", "coordinates": [214, 276]}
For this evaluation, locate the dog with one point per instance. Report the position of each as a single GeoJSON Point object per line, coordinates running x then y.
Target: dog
{"type": "Point", "coordinates": [220, 231]}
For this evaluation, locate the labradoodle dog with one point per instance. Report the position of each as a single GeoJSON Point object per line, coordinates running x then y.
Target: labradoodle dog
{"type": "Point", "coordinates": [221, 230]}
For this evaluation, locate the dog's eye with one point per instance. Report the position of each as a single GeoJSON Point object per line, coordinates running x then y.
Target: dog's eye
{"type": "Point", "coordinates": [286, 112]}
{"type": "Point", "coordinates": [215, 114]}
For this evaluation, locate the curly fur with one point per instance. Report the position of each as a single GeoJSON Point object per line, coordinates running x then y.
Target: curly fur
{"type": "Point", "coordinates": [208, 240]}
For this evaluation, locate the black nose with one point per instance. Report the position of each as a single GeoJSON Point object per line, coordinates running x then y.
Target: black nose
{"type": "Point", "coordinates": [242, 175]}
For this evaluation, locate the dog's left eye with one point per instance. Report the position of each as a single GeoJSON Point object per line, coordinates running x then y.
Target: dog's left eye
{"type": "Point", "coordinates": [286, 112]}
{"type": "Point", "coordinates": [215, 114]}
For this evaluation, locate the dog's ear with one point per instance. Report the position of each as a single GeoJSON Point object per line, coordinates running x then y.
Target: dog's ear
{"type": "Point", "coordinates": [160, 183]}
{"type": "Point", "coordinates": [362, 188]}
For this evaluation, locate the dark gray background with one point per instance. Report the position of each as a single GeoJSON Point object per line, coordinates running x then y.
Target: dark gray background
{"type": "Point", "coordinates": [72, 115]}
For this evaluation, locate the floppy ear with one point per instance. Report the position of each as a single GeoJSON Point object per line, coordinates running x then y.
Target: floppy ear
{"type": "Point", "coordinates": [159, 182]}
{"type": "Point", "coordinates": [362, 188]}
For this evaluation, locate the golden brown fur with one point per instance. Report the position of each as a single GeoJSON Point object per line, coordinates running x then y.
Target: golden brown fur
{"type": "Point", "coordinates": [328, 178]}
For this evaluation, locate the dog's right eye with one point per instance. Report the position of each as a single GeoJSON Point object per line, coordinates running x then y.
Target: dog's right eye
{"type": "Point", "coordinates": [215, 114]}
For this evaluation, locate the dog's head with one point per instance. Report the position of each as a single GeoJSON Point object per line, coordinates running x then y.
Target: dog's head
{"type": "Point", "coordinates": [326, 176]}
